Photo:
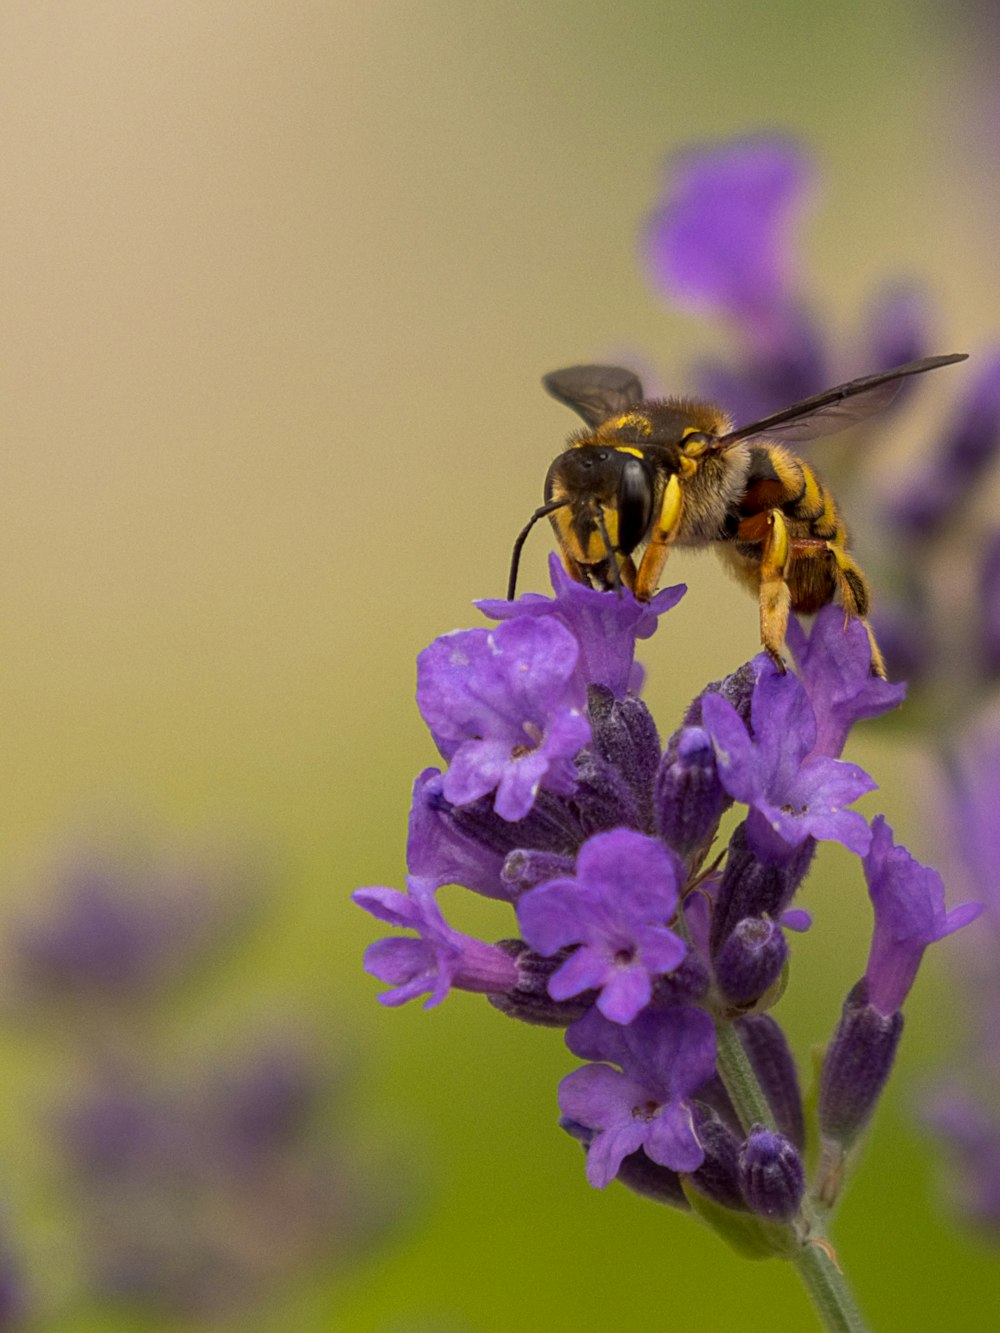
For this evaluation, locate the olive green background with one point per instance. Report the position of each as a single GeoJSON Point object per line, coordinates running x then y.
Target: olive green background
{"type": "Point", "coordinates": [278, 285]}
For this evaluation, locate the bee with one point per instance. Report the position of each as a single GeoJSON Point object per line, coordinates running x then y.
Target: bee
{"type": "Point", "coordinates": [645, 476]}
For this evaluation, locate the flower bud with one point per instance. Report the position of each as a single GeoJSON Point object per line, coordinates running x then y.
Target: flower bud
{"type": "Point", "coordinates": [751, 960]}
{"type": "Point", "coordinates": [771, 1174]}
{"type": "Point", "coordinates": [749, 887]}
{"type": "Point", "coordinates": [529, 1000]}
{"type": "Point", "coordinates": [625, 734]}
{"type": "Point", "coordinates": [718, 1176]}
{"type": "Point", "coordinates": [767, 1050]}
{"type": "Point", "coordinates": [857, 1064]}
{"type": "Point", "coordinates": [689, 796]}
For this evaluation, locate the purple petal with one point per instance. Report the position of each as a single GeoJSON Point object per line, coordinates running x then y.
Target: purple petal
{"type": "Point", "coordinates": [626, 993]}
{"type": "Point", "coordinates": [672, 1140]}
{"type": "Point", "coordinates": [734, 752]}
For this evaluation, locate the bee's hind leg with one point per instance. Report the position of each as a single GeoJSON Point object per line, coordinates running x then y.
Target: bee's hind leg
{"type": "Point", "coordinates": [852, 588]}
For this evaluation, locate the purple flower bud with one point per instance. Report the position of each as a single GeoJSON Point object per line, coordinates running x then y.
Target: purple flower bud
{"type": "Point", "coordinates": [603, 800]}
{"type": "Point", "coordinates": [931, 497]}
{"type": "Point", "coordinates": [737, 689]}
{"type": "Point", "coordinates": [690, 799]}
{"type": "Point", "coordinates": [625, 735]}
{"type": "Point", "coordinates": [767, 1050]}
{"type": "Point", "coordinates": [718, 1177]}
{"type": "Point", "coordinates": [751, 960]}
{"type": "Point", "coordinates": [529, 1000]}
{"type": "Point", "coordinates": [771, 1174]}
{"type": "Point", "coordinates": [605, 628]}
{"type": "Point", "coordinates": [858, 1062]}
{"type": "Point", "coordinates": [751, 887]}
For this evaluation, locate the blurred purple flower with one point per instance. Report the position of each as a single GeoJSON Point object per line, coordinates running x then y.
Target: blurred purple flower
{"type": "Point", "coordinates": [720, 240]}
{"type": "Point", "coordinates": [121, 931]}
{"type": "Point", "coordinates": [929, 497]}
{"type": "Point", "coordinates": [506, 709]}
{"type": "Point", "coordinates": [614, 908]}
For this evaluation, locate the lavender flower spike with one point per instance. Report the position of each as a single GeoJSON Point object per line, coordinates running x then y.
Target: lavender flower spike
{"type": "Point", "coordinates": [908, 899]}
{"type": "Point", "coordinates": [438, 959]}
{"type": "Point", "coordinates": [667, 1054]}
{"type": "Point", "coordinates": [791, 795]}
{"type": "Point", "coordinates": [506, 709]}
{"type": "Point", "coordinates": [625, 888]}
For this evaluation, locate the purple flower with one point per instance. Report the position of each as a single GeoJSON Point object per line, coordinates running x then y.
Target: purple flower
{"type": "Point", "coordinates": [972, 1138]}
{"type": "Point", "coordinates": [605, 628]}
{"type": "Point", "coordinates": [665, 1056]}
{"type": "Point", "coordinates": [719, 242]}
{"type": "Point", "coordinates": [506, 709]}
{"type": "Point", "coordinates": [908, 899]}
{"type": "Point", "coordinates": [439, 850]}
{"type": "Point", "coordinates": [989, 601]}
{"type": "Point", "coordinates": [929, 497]}
{"type": "Point", "coordinates": [615, 908]}
{"type": "Point", "coordinates": [438, 958]}
{"type": "Point", "coordinates": [791, 796]}
{"type": "Point", "coordinates": [834, 662]}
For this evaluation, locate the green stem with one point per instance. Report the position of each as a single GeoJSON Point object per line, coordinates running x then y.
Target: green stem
{"type": "Point", "coordinates": [814, 1257]}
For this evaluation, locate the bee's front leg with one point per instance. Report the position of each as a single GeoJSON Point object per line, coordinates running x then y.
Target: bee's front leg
{"type": "Point", "coordinates": [647, 578]}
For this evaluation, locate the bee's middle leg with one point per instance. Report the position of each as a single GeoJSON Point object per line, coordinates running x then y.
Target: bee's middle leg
{"type": "Point", "coordinates": [775, 594]}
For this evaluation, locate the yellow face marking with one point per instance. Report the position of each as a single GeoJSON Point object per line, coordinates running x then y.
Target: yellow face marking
{"type": "Point", "coordinates": [628, 449]}
{"type": "Point", "coordinates": [688, 466]}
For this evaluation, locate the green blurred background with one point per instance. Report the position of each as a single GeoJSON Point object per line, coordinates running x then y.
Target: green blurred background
{"type": "Point", "coordinates": [278, 285]}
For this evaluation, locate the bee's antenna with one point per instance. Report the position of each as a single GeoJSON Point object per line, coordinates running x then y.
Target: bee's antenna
{"type": "Point", "coordinates": [515, 558]}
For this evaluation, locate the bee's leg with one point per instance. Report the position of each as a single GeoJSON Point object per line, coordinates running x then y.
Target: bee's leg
{"type": "Point", "coordinates": [852, 588]}
{"type": "Point", "coordinates": [661, 539]}
{"type": "Point", "coordinates": [775, 595]}
{"type": "Point", "coordinates": [627, 570]}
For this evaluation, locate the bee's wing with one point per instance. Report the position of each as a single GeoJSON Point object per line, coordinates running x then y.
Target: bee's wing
{"type": "Point", "coordinates": [836, 409]}
{"type": "Point", "coordinates": [595, 392]}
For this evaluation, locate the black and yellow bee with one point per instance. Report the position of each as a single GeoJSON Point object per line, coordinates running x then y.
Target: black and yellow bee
{"type": "Point", "coordinates": [645, 476]}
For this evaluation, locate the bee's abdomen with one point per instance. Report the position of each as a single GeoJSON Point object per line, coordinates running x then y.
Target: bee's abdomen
{"type": "Point", "coordinates": [779, 480]}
